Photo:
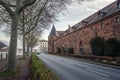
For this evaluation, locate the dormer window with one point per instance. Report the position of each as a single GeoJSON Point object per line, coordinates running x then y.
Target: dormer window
{"type": "Point", "coordinates": [101, 13]}
{"type": "Point", "coordinates": [84, 22]}
{"type": "Point", "coordinates": [118, 4]}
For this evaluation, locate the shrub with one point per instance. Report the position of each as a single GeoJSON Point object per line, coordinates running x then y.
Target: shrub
{"type": "Point", "coordinates": [70, 50]}
{"type": "Point", "coordinates": [40, 71]}
{"type": "Point", "coordinates": [58, 50]}
{"type": "Point", "coordinates": [97, 46]}
{"type": "Point", "coordinates": [112, 47]}
{"type": "Point", "coordinates": [117, 59]}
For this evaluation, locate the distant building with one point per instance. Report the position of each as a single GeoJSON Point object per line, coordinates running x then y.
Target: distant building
{"type": "Point", "coordinates": [43, 45]}
{"type": "Point", "coordinates": [105, 23]}
{"type": "Point", "coordinates": [3, 47]}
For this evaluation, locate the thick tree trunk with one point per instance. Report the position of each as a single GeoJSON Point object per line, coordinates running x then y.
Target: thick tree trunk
{"type": "Point", "coordinates": [13, 44]}
{"type": "Point", "coordinates": [23, 25]}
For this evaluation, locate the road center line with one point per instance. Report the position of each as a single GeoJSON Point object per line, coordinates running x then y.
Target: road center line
{"type": "Point", "coordinates": [97, 72]}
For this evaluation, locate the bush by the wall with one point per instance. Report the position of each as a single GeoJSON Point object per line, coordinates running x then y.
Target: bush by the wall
{"type": "Point", "coordinates": [40, 71]}
{"type": "Point", "coordinates": [112, 47]}
{"type": "Point", "coordinates": [97, 46]}
{"type": "Point", "coordinates": [70, 50]}
{"type": "Point", "coordinates": [58, 50]}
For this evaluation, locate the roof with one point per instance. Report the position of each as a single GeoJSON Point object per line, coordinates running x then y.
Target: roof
{"type": "Point", "coordinates": [106, 11]}
{"type": "Point", "coordinates": [60, 33]}
{"type": "Point", "coordinates": [53, 32]}
{"type": "Point", "coordinates": [43, 40]}
{"type": "Point", "coordinates": [2, 45]}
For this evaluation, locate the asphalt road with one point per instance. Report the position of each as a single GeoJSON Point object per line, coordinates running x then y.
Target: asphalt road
{"type": "Point", "coordinates": [69, 69]}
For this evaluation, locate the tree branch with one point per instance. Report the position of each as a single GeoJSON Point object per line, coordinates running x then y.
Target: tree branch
{"type": "Point", "coordinates": [6, 6]}
{"type": "Point", "coordinates": [26, 3]}
{"type": "Point", "coordinates": [36, 22]}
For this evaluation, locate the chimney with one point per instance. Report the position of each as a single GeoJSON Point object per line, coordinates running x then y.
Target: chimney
{"type": "Point", "coordinates": [69, 26]}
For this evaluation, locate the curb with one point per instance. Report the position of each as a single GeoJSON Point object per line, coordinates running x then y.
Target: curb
{"type": "Point", "coordinates": [93, 62]}
{"type": "Point", "coordinates": [99, 63]}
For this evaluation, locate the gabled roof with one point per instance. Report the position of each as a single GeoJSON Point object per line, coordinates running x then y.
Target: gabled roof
{"type": "Point", "coordinates": [53, 32]}
{"type": "Point", "coordinates": [2, 45]}
{"type": "Point", "coordinates": [60, 33]}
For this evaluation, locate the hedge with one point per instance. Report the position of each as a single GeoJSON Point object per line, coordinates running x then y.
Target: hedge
{"type": "Point", "coordinates": [112, 47]}
{"type": "Point", "coordinates": [101, 47]}
{"type": "Point", "coordinates": [70, 50]}
{"type": "Point", "coordinates": [97, 46]}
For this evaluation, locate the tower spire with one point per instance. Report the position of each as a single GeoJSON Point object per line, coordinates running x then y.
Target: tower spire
{"type": "Point", "coordinates": [53, 32]}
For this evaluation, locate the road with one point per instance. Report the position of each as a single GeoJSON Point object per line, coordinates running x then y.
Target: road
{"type": "Point", "coordinates": [69, 69]}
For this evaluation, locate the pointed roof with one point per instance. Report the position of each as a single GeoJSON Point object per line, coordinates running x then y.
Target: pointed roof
{"type": "Point", "coordinates": [53, 32]}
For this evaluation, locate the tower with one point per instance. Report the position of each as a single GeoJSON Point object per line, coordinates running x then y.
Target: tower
{"type": "Point", "coordinates": [52, 36]}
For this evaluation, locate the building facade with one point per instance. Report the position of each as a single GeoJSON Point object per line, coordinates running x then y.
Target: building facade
{"type": "Point", "coordinates": [105, 23]}
{"type": "Point", "coordinates": [43, 45]}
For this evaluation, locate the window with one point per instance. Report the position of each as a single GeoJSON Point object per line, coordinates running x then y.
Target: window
{"type": "Point", "coordinates": [101, 13]}
{"type": "Point", "coordinates": [84, 22]}
{"type": "Point", "coordinates": [118, 5]}
{"type": "Point", "coordinates": [96, 34]}
{"type": "Point", "coordinates": [101, 25]}
{"type": "Point", "coordinates": [117, 20]}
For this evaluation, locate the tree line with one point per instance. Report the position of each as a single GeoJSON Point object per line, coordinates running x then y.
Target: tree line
{"type": "Point", "coordinates": [28, 18]}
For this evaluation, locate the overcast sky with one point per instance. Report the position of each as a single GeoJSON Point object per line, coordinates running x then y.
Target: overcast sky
{"type": "Point", "coordinates": [76, 12]}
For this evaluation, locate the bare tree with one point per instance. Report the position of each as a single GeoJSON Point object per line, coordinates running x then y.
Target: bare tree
{"type": "Point", "coordinates": [14, 8]}
{"type": "Point", "coordinates": [38, 17]}
{"type": "Point", "coordinates": [33, 40]}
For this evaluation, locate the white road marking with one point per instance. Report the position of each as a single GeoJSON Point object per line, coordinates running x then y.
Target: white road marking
{"type": "Point", "coordinates": [97, 72]}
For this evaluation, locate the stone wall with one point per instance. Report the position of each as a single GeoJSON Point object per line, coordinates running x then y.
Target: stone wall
{"type": "Point", "coordinates": [80, 39]}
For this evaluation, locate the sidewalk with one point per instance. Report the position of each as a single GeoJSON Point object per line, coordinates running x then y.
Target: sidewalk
{"type": "Point", "coordinates": [22, 66]}
{"type": "Point", "coordinates": [2, 65]}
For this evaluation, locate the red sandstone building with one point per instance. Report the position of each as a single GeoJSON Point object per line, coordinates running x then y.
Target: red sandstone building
{"type": "Point", "coordinates": [104, 23]}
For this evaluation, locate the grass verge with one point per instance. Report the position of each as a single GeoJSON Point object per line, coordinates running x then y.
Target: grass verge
{"type": "Point", "coordinates": [40, 71]}
{"type": "Point", "coordinates": [8, 73]}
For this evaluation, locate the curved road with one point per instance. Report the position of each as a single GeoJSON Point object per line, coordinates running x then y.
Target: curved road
{"type": "Point", "coordinates": [69, 69]}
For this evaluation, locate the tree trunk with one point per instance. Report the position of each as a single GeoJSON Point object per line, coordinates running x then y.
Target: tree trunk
{"type": "Point", "coordinates": [23, 46]}
{"type": "Point", "coordinates": [31, 49]}
{"type": "Point", "coordinates": [23, 25]}
{"type": "Point", "coordinates": [28, 47]}
{"type": "Point", "coordinates": [13, 44]}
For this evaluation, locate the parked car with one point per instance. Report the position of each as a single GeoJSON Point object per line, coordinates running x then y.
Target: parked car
{"type": "Point", "coordinates": [38, 52]}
